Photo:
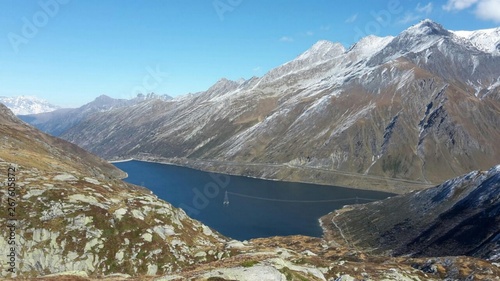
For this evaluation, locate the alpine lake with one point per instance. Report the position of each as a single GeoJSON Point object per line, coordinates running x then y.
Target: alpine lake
{"type": "Point", "coordinates": [244, 208]}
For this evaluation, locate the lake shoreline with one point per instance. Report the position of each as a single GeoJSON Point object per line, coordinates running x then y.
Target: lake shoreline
{"type": "Point", "coordinates": [289, 173]}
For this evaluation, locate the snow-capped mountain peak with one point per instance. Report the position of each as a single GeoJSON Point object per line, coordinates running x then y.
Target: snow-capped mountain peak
{"type": "Point", "coordinates": [24, 105]}
{"type": "Point", "coordinates": [486, 40]}
{"type": "Point", "coordinates": [427, 27]}
{"type": "Point", "coordinates": [225, 83]}
{"type": "Point", "coordinates": [415, 39]}
{"type": "Point", "coordinates": [321, 52]}
{"type": "Point", "coordinates": [422, 88]}
{"type": "Point", "coordinates": [103, 99]}
{"type": "Point", "coordinates": [323, 49]}
{"type": "Point", "coordinates": [221, 87]}
{"type": "Point", "coordinates": [421, 36]}
{"type": "Point", "coordinates": [370, 45]}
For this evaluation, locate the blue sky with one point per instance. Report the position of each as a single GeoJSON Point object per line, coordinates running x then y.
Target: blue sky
{"type": "Point", "coordinates": [71, 51]}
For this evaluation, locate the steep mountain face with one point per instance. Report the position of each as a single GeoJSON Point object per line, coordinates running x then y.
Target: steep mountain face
{"type": "Point", "coordinates": [458, 217]}
{"type": "Point", "coordinates": [27, 105]}
{"type": "Point", "coordinates": [22, 144]}
{"type": "Point", "coordinates": [421, 106]}
{"type": "Point", "coordinates": [58, 121]}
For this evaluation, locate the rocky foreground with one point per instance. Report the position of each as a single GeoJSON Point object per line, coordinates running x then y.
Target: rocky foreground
{"type": "Point", "coordinates": [306, 258]}
{"type": "Point", "coordinates": [67, 210]}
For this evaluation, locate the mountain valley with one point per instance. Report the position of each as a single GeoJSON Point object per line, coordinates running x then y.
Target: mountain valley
{"type": "Point", "coordinates": [390, 113]}
{"type": "Point", "coordinates": [76, 220]}
{"type": "Point", "coordinates": [417, 114]}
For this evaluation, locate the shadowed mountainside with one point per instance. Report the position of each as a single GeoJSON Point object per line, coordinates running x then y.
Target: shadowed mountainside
{"type": "Point", "coordinates": [458, 217]}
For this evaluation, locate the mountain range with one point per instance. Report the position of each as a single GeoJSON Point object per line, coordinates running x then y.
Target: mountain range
{"type": "Point", "coordinates": [393, 113]}
{"type": "Point", "coordinates": [76, 220]}
{"type": "Point", "coordinates": [58, 121]}
{"type": "Point", "coordinates": [390, 113]}
{"type": "Point", "coordinates": [27, 105]}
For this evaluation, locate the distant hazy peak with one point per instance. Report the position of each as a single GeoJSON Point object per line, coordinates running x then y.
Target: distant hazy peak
{"type": "Point", "coordinates": [241, 80]}
{"type": "Point", "coordinates": [23, 105]}
{"type": "Point", "coordinates": [103, 98]}
{"type": "Point", "coordinates": [222, 86]}
{"type": "Point", "coordinates": [224, 80]}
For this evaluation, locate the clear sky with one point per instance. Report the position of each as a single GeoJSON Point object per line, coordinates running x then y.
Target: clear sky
{"type": "Point", "coordinates": [71, 51]}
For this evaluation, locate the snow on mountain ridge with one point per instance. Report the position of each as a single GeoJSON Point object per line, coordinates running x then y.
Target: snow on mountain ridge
{"type": "Point", "coordinates": [420, 37]}
{"type": "Point", "coordinates": [222, 87]}
{"type": "Point", "coordinates": [487, 40]}
{"type": "Point", "coordinates": [427, 27]}
{"type": "Point", "coordinates": [23, 105]}
{"type": "Point", "coordinates": [370, 45]}
{"type": "Point", "coordinates": [341, 64]}
{"type": "Point", "coordinates": [323, 49]}
{"type": "Point", "coordinates": [344, 66]}
{"type": "Point", "coordinates": [348, 105]}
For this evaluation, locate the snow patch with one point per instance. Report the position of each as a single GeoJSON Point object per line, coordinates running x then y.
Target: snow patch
{"type": "Point", "coordinates": [24, 105]}
{"type": "Point", "coordinates": [485, 40]}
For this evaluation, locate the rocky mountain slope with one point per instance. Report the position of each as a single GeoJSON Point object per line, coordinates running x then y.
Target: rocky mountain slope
{"type": "Point", "coordinates": [27, 105]}
{"type": "Point", "coordinates": [72, 213]}
{"type": "Point", "coordinates": [23, 144]}
{"type": "Point", "coordinates": [458, 217]}
{"type": "Point", "coordinates": [423, 106]}
{"type": "Point", "coordinates": [75, 220]}
{"type": "Point", "coordinates": [59, 121]}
